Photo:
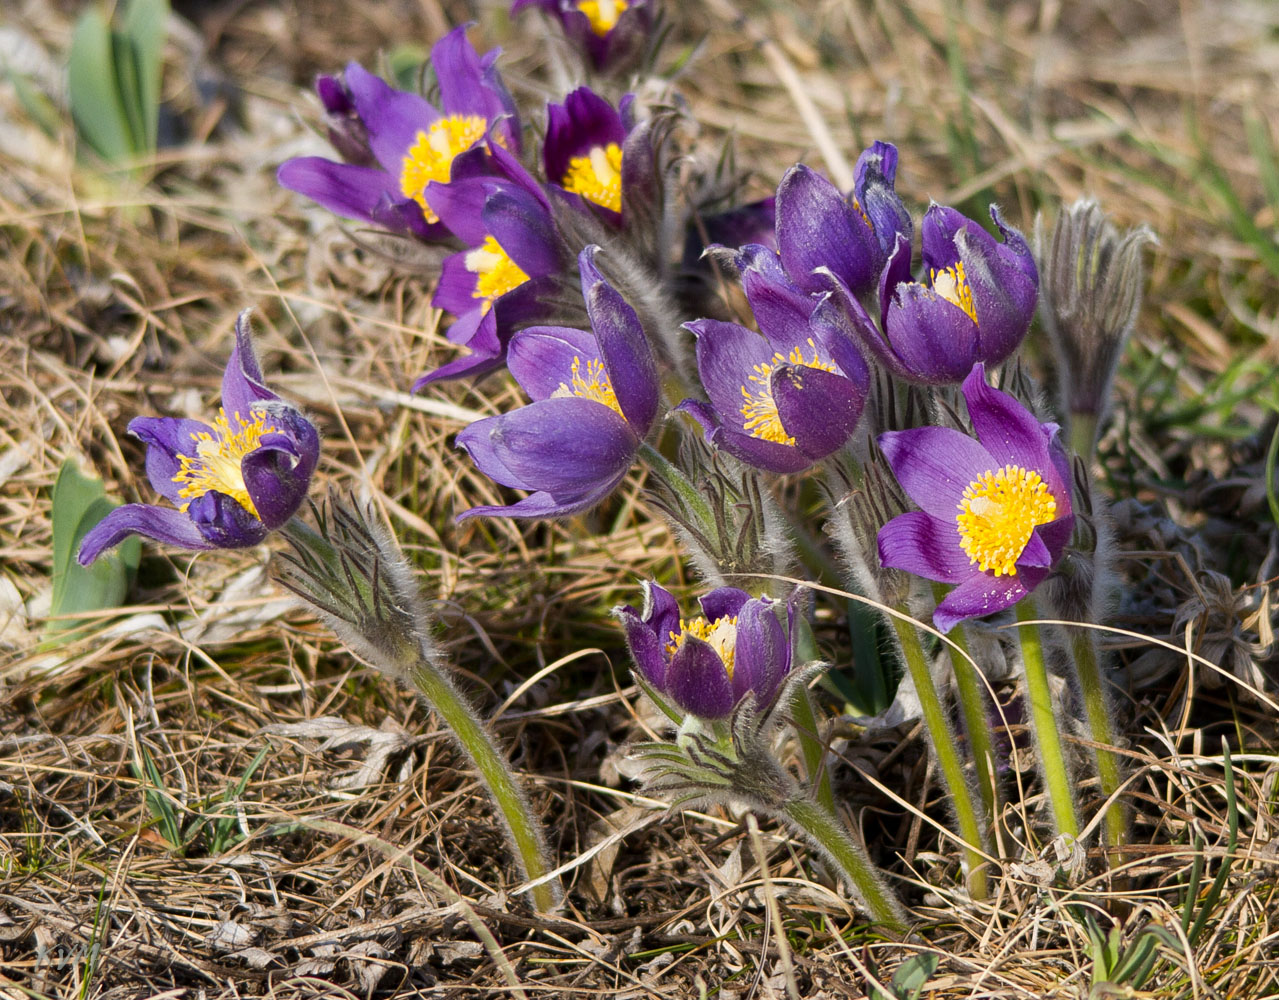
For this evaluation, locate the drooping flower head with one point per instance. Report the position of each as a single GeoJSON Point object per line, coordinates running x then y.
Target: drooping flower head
{"type": "Point", "coordinates": [974, 305]}
{"type": "Point", "coordinates": [995, 512]}
{"type": "Point", "coordinates": [823, 235]}
{"type": "Point", "coordinates": [612, 33]}
{"type": "Point", "coordinates": [705, 665]}
{"type": "Point", "coordinates": [398, 145]}
{"type": "Point", "coordinates": [232, 482]}
{"type": "Point", "coordinates": [595, 396]}
{"type": "Point", "coordinates": [789, 395]}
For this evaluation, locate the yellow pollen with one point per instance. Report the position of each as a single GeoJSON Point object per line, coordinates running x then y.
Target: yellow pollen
{"type": "Point", "coordinates": [760, 409]}
{"type": "Point", "coordinates": [431, 156]}
{"type": "Point", "coordinates": [998, 512]}
{"type": "Point", "coordinates": [595, 385]}
{"type": "Point", "coordinates": [597, 177]}
{"type": "Point", "coordinates": [720, 635]}
{"type": "Point", "coordinates": [496, 274]}
{"type": "Point", "coordinates": [216, 466]}
{"type": "Point", "coordinates": [952, 285]}
{"type": "Point", "coordinates": [602, 14]}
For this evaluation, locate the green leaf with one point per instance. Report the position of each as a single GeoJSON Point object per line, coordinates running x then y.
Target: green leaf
{"type": "Point", "coordinates": [913, 974]}
{"type": "Point", "coordinates": [96, 106]}
{"type": "Point", "coordinates": [38, 107]}
{"type": "Point", "coordinates": [145, 26]}
{"type": "Point", "coordinates": [79, 503]}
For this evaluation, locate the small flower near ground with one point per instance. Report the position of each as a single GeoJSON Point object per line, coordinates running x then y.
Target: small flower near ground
{"type": "Point", "coordinates": [232, 482]}
{"type": "Point", "coordinates": [995, 512]}
{"type": "Point", "coordinates": [595, 396]}
{"type": "Point", "coordinates": [788, 398]}
{"type": "Point", "coordinates": [705, 665]}
{"type": "Point", "coordinates": [398, 146]}
{"type": "Point", "coordinates": [612, 33]}
{"type": "Point", "coordinates": [585, 137]}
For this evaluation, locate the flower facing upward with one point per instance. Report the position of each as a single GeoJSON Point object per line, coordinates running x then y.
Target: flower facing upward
{"type": "Point", "coordinates": [232, 482]}
{"type": "Point", "coordinates": [736, 648]}
{"type": "Point", "coordinates": [585, 137]}
{"type": "Point", "coordinates": [995, 513]}
{"type": "Point", "coordinates": [398, 145]}
{"type": "Point", "coordinates": [595, 396]}
{"type": "Point", "coordinates": [612, 33]}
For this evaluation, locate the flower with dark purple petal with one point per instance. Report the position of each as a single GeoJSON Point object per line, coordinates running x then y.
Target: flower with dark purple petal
{"type": "Point", "coordinates": [397, 145]}
{"type": "Point", "coordinates": [595, 395]}
{"type": "Point", "coordinates": [821, 234]}
{"type": "Point", "coordinates": [735, 649]}
{"type": "Point", "coordinates": [232, 482]}
{"type": "Point", "coordinates": [583, 149]}
{"type": "Point", "coordinates": [995, 513]}
{"type": "Point", "coordinates": [612, 33]}
{"type": "Point", "coordinates": [975, 304]}
{"type": "Point", "coordinates": [785, 397]}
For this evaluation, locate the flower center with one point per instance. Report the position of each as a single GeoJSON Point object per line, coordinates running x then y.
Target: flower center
{"type": "Point", "coordinates": [216, 465]}
{"type": "Point", "coordinates": [759, 409]}
{"type": "Point", "coordinates": [431, 156]}
{"type": "Point", "coordinates": [597, 177]}
{"type": "Point", "coordinates": [998, 512]}
{"type": "Point", "coordinates": [602, 14]}
{"type": "Point", "coordinates": [595, 385]}
{"type": "Point", "coordinates": [952, 285]}
{"type": "Point", "coordinates": [720, 635]}
{"type": "Point", "coordinates": [495, 272]}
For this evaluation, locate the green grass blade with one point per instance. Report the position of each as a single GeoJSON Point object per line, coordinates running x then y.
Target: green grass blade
{"type": "Point", "coordinates": [145, 26]}
{"type": "Point", "coordinates": [96, 107]}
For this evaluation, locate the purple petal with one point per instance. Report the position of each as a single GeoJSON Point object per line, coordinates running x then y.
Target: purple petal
{"type": "Point", "coordinates": [166, 438]}
{"type": "Point", "coordinates": [661, 611]}
{"type": "Point", "coordinates": [781, 308]}
{"type": "Point", "coordinates": [393, 117]}
{"type": "Point", "coordinates": [935, 339]}
{"type": "Point", "coordinates": [523, 228]}
{"type": "Point", "coordinates": [697, 681]}
{"type": "Point", "coordinates": [895, 274]}
{"type": "Point", "coordinates": [1011, 433]}
{"type": "Point", "coordinates": [479, 327]}
{"type": "Point", "coordinates": [874, 174]}
{"type": "Point", "coordinates": [224, 523]}
{"type": "Point", "coordinates": [242, 383]}
{"type": "Point", "coordinates": [584, 121]}
{"type": "Point", "coordinates": [817, 227]}
{"type": "Point", "coordinates": [831, 331]}
{"type": "Point", "coordinates": [761, 454]}
{"type": "Point", "coordinates": [476, 440]}
{"type": "Point", "coordinates": [541, 357]}
{"type": "Point", "coordinates": [460, 203]}
{"type": "Point", "coordinates": [726, 357]}
{"type": "Point", "coordinates": [723, 602]}
{"type": "Point", "coordinates": [277, 475]}
{"type": "Point", "coordinates": [627, 357]}
{"type": "Point", "coordinates": [926, 546]}
{"type": "Point", "coordinates": [647, 647]}
{"type": "Point", "coordinates": [352, 192]}
{"type": "Point", "coordinates": [762, 653]}
{"type": "Point", "coordinates": [455, 292]}
{"type": "Point", "coordinates": [934, 465]}
{"type": "Point", "coordinates": [819, 409]}
{"type": "Point", "coordinates": [978, 596]}
{"type": "Point", "coordinates": [161, 523]}
{"type": "Point", "coordinates": [544, 505]}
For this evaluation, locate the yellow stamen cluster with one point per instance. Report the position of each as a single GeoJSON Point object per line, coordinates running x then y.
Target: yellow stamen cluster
{"type": "Point", "coordinates": [496, 274]}
{"type": "Point", "coordinates": [602, 14]}
{"type": "Point", "coordinates": [597, 177]}
{"type": "Point", "coordinates": [952, 285]}
{"type": "Point", "coordinates": [720, 635]}
{"type": "Point", "coordinates": [594, 385]}
{"type": "Point", "coordinates": [216, 465]}
{"type": "Point", "coordinates": [998, 512]}
{"type": "Point", "coordinates": [431, 156]}
{"type": "Point", "coordinates": [760, 409]}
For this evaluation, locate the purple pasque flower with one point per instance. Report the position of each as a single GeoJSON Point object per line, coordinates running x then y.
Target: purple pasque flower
{"type": "Point", "coordinates": [583, 152]}
{"type": "Point", "coordinates": [789, 395]}
{"type": "Point", "coordinates": [232, 482]}
{"type": "Point", "coordinates": [824, 235]}
{"type": "Point", "coordinates": [974, 305]}
{"type": "Point", "coordinates": [515, 256]}
{"type": "Point", "coordinates": [706, 665]}
{"type": "Point", "coordinates": [398, 146]}
{"type": "Point", "coordinates": [595, 396]}
{"type": "Point", "coordinates": [995, 513]}
{"type": "Point", "coordinates": [612, 33]}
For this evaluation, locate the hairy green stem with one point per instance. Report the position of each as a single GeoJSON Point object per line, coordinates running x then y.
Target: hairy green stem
{"type": "Point", "coordinates": [825, 832]}
{"type": "Point", "coordinates": [1043, 718]}
{"type": "Point", "coordinates": [806, 727]}
{"type": "Point", "coordinates": [1083, 645]}
{"type": "Point", "coordinates": [948, 756]}
{"type": "Point", "coordinates": [683, 487]}
{"type": "Point", "coordinates": [1083, 435]}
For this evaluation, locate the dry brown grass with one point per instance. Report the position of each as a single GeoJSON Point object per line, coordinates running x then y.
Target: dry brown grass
{"type": "Point", "coordinates": [117, 302]}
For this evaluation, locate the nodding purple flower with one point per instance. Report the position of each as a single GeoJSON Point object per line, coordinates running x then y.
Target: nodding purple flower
{"type": "Point", "coordinates": [232, 482]}
{"type": "Point", "coordinates": [736, 648]}
{"type": "Point", "coordinates": [974, 305]}
{"type": "Point", "coordinates": [595, 396]}
{"type": "Point", "coordinates": [783, 400]}
{"type": "Point", "coordinates": [398, 146]}
{"type": "Point", "coordinates": [995, 512]}
{"type": "Point", "coordinates": [612, 33]}
{"type": "Point", "coordinates": [824, 235]}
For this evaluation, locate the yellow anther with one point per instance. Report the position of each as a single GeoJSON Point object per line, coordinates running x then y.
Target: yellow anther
{"type": "Point", "coordinates": [431, 156]}
{"type": "Point", "coordinates": [952, 285]}
{"type": "Point", "coordinates": [597, 177]}
{"type": "Point", "coordinates": [594, 385]}
{"type": "Point", "coordinates": [997, 514]}
{"type": "Point", "coordinates": [602, 14]}
{"type": "Point", "coordinates": [495, 272]}
{"type": "Point", "coordinates": [759, 408]}
{"type": "Point", "coordinates": [720, 635]}
{"type": "Point", "coordinates": [216, 465]}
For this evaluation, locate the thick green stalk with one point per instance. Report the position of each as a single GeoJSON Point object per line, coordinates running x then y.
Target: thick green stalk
{"type": "Point", "coordinates": [1083, 435]}
{"type": "Point", "coordinates": [524, 829]}
{"type": "Point", "coordinates": [948, 756]}
{"type": "Point", "coordinates": [825, 832]}
{"type": "Point", "coordinates": [1083, 645]}
{"type": "Point", "coordinates": [681, 485]}
{"type": "Point", "coordinates": [812, 747]}
{"type": "Point", "coordinates": [1044, 723]}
